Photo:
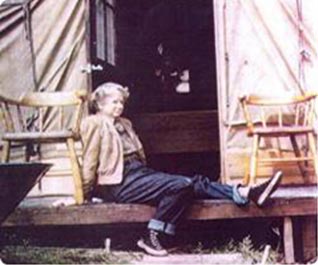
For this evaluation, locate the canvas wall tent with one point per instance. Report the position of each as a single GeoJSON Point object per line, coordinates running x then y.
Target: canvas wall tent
{"type": "Point", "coordinates": [261, 46]}
{"type": "Point", "coordinates": [42, 47]}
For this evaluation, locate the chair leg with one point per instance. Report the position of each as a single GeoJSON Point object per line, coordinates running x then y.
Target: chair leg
{"type": "Point", "coordinates": [77, 176]}
{"type": "Point", "coordinates": [298, 154]}
{"type": "Point", "coordinates": [312, 146]}
{"type": "Point", "coordinates": [253, 160]}
{"type": "Point", "coordinates": [246, 179]}
{"type": "Point", "coordinates": [6, 151]}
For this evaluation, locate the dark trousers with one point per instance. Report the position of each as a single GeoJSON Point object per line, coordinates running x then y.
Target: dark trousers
{"type": "Point", "coordinates": [171, 194]}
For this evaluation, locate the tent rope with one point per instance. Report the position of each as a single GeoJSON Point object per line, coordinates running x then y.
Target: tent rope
{"type": "Point", "coordinates": [29, 38]}
{"type": "Point", "coordinates": [301, 74]}
{"type": "Point", "coordinates": [304, 55]}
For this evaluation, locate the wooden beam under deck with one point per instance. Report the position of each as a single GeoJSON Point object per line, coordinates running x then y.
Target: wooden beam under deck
{"type": "Point", "coordinates": [107, 213]}
{"type": "Point", "coordinates": [302, 203]}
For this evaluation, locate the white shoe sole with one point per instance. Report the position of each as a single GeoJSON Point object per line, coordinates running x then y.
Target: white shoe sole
{"type": "Point", "coordinates": [270, 188]}
{"type": "Point", "coordinates": [151, 251]}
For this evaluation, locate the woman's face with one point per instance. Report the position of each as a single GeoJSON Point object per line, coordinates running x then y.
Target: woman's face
{"type": "Point", "coordinates": [112, 105]}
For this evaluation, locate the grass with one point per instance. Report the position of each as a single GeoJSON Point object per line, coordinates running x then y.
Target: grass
{"type": "Point", "coordinates": [47, 255]}
{"type": "Point", "coordinates": [250, 253]}
{"type": "Point", "coordinates": [26, 254]}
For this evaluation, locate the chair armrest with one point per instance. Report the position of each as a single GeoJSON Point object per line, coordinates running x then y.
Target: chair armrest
{"type": "Point", "coordinates": [9, 100]}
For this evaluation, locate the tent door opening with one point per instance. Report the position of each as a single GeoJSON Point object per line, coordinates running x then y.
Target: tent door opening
{"type": "Point", "coordinates": [164, 51]}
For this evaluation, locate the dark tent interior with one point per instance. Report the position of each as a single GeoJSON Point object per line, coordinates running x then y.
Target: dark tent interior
{"type": "Point", "coordinates": [162, 43]}
{"type": "Point", "coordinates": [164, 52]}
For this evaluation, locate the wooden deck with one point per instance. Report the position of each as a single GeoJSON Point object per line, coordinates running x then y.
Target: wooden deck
{"type": "Point", "coordinates": [35, 211]}
{"type": "Point", "coordinates": [287, 203]}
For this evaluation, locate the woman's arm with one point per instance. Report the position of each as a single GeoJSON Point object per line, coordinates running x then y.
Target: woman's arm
{"type": "Point", "coordinates": [91, 139]}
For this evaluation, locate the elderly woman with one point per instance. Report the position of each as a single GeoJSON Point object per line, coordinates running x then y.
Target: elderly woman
{"type": "Point", "coordinates": [114, 168]}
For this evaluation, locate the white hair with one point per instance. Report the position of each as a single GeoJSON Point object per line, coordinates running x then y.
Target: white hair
{"type": "Point", "coordinates": [104, 90]}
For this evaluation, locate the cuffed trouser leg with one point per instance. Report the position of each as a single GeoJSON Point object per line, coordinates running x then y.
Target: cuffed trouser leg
{"type": "Point", "coordinates": [172, 206]}
{"type": "Point", "coordinates": [204, 188]}
{"type": "Point", "coordinates": [237, 198]}
{"type": "Point", "coordinates": [171, 194]}
{"type": "Point", "coordinates": [162, 227]}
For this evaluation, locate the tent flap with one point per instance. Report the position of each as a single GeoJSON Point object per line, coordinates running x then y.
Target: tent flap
{"type": "Point", "coordinates": [263, 47]}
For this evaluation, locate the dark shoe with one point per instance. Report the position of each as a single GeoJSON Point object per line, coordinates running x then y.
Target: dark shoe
{"type": "Point", "coordinates": [151, 244]}
{"type": "Point", "coordinates": [260, 193]}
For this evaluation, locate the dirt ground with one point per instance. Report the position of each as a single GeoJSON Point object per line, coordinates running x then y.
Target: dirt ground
{"type": "Point", "coordinates": [52, 255]}
{"type": "Point", "coordinates": [237, 242]}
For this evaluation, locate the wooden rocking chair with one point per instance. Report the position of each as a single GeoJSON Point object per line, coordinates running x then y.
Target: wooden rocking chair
{"type": "Point", "coordinates": [39, 104]}
{"type": "Point", "coordinates": [269, 120]}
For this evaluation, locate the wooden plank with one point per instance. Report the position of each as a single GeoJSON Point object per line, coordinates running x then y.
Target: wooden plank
{"type": "Point", "coordinates": [178, 132]}
{"type": "Point", "coordinates": [309, 237]}
{"type": "Point", "coordinates": [107, 213]}
{"type": "Point", "coordinates": [206, 210]}
{"type": "Point", "coordinates": [288, 241]}
{"type": "Point", "coordinates": [296, 191]}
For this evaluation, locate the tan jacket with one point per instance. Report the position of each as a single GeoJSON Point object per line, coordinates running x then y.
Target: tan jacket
{"type": "Point", "coordinates": [103, 158]}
